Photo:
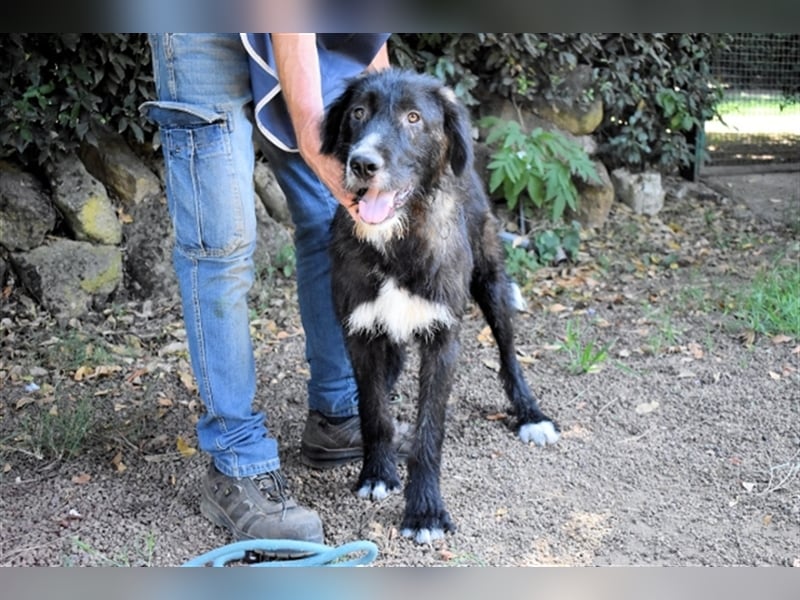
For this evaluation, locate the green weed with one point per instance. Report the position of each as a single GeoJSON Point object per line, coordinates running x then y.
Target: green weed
{"type": "Point", "coordinates": [771, 303]}
{"type": "Point", "coordinates": [520, 264]}
{"type": "Point", "coordinates": [56, 431]}
{"type": "Point", "coordinates": [142, 555]}
{"type": "Point", "coordinates": [584, 357]}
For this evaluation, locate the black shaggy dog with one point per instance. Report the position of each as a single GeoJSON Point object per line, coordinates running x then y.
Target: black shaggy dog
{"type": "Point", "coordinates": [425, 241]}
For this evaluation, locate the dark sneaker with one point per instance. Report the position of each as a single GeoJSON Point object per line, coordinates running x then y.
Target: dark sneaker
{"type": "Point", "coordinates": [259, 507]}
{"type": "Point", "coordinates": [325, 444]}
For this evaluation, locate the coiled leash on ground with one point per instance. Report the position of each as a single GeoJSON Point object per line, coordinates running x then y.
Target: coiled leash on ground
{"type": "Point", "coordinates": [252, 552]}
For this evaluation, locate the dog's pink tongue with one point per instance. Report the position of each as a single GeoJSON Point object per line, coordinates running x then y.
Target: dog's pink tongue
{"type": "Point", "coordinates": [375, 206]}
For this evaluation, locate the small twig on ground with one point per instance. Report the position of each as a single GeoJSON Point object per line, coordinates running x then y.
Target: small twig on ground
{"type": "Point", "coordinates": [36, 455]}
{"type": "Point", "coordinates": [774, 484]}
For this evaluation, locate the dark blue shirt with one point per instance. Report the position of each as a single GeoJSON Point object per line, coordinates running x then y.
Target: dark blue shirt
{"type": "Point", "coordinates": [341, 56]}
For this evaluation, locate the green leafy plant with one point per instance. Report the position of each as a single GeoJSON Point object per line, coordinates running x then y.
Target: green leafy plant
{"type": "Point", "coordinates": [520, 264]}
{"type": "Point", "coordinates": [57, 89]}
{"type": "Point", "coordinates": [584, 357]}
{"type": "Point", "coordinates": [541, 164]}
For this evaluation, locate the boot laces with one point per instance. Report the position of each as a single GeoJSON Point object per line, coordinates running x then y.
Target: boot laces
{"type": "Point", "coordinates": [273, 485]}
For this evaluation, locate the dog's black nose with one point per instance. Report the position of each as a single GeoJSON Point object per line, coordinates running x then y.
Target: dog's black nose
{"type": "Point", "coordinates": [365, 164]}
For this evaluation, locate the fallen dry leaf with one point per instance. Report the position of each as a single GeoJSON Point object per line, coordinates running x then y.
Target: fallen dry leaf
{"type": "Point", "coordinates": [81, 478]}
{"type": "Point", "coordinates": [780, 339]}
{"type": "Point", "coordinates": [117, 462]}
{"type": "Point", "coordinates": [187, 379]}
{"type": "Point", "coordinates": [695, 350]}
{"type": "Point", "coordinates": [498, 416]}
{"type": "Point", "coordinates": [774, 376]}
{"type": "Point", "coordinates": [485, 337]}
{"type": "Point", "coordinates": [446, 555]}
{"type": "Point", "coordinates": [184, 448]}
{"type": "Point", "coordinates": [24, 401]}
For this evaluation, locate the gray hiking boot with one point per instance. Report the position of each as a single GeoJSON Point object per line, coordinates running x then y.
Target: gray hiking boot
{"type": "Point", "coordinates": [259, 507]}
{"type": "Point", "coordinates": [325, 444]}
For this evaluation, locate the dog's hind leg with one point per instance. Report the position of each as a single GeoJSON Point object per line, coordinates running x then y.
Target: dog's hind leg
{"type": "Point", "coordinates": [426, 517]}
{"type": "Point", "coordinates": [491, 289]}
{"type": "Point", "coordinates": [376, 363]}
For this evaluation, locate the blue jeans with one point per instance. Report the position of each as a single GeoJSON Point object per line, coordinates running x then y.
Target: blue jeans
{"type": "Point", "coordinates": [203, 112]}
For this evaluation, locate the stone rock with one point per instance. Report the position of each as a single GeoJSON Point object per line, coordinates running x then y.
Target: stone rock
{"type": "Point", "coordinates": [568, 111]}
{"type": "Point", "coordinates": [26, 213]}
{"type": "Point", "coordinates": [271, 194]}
{"type": "Point", "coordinates": [69, 278]}
{"type": "Point", "coordinates": [149, 241]}
{"type": "Point", "coordinates": [84, 203]}
{"type": "Point", "coordinates": [643, 192]}
{"type": "Point", "coordinates": [595, 199]}
{"type": "Point", "coordinates": [3, 271]}
{"type": "Point", "coordinates": [114, 163]}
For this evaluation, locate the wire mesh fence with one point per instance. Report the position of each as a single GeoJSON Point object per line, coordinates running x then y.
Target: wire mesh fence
{"type": "Point", "coordinates": [760, 110]}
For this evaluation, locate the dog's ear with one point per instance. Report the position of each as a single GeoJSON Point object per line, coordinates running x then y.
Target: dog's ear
{"type": "Point", "coordinates": [332, 123]}
{"type": "Point", "coordinates": [457, 130]}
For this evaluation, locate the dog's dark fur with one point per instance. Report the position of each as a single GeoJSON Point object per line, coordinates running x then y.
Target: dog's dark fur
{"type": "Point", "coordinates": [406, 270]}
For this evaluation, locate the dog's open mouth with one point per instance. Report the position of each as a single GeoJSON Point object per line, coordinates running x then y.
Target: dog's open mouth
{"type": "Point", "coordinates": [376, 206]}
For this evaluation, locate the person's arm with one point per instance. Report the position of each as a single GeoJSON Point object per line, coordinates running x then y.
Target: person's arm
{"type": "Point", "coordinates": [298, 71]}
{"type": "Point", "coordinates": [381, 60]}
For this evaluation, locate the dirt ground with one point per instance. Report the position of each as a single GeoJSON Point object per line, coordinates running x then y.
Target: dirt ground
{"type": "Point", "coordinates": [681, 448]}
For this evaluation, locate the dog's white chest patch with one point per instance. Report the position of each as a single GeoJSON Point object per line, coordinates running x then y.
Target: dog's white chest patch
{"type": "Point", "coordinates": [399, 314]}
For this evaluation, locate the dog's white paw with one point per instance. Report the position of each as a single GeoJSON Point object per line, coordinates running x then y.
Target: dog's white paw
{"type": "Point", "coordinates": [541, 433]}
{"type": "Point", "coordinates": [423, 536]}
{"type": "Point", "coordinates": [517, 299]}
{"type": "Point", "coordinates": [375, 490]}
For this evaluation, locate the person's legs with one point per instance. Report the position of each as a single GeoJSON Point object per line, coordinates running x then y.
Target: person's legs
{"type": "Point", "coordinates": [203, 88]}
{"type": "Point", "coordinates": [332, 389]}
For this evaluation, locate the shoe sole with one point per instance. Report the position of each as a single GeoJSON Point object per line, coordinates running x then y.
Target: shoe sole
{"type": "Point", "coordinates": [317, 458]}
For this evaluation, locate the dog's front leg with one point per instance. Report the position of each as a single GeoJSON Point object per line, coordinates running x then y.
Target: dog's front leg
{"type": "Point", "coordinates": [426, 517]}
{"type": "Point", "coordinates": [375, 360]}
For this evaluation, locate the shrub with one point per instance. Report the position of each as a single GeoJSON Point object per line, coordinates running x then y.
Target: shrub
{"type": "Point", "coordinates": [55, 89]}
{"type": "Point", "coordinates": [540, 163]}
{"type": "Point", "coordinates": [656, 88]}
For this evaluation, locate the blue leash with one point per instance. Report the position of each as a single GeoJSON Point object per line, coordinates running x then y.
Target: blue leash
{"type": "Point", "coordinates": [319, 555]}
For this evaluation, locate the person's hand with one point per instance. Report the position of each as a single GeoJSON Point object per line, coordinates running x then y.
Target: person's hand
{"type": "Point", "coordinates": [329, 170]}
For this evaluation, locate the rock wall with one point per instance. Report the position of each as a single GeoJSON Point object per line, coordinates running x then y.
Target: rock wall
{"type": "Point", "coordinates": [96, 227]}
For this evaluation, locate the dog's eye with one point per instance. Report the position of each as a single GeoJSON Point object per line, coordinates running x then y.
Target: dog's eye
{"type": "Point", "coordinates": [413, 117]}
{"type": "Point", "coordinates": [359, 113]}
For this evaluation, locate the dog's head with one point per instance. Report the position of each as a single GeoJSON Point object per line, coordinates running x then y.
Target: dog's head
{"type": "Point", "coordinates": [398, 133]}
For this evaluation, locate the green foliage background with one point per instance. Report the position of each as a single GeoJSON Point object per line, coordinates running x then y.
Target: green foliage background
{"type": "Point", "coordinates": [56, 89]}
